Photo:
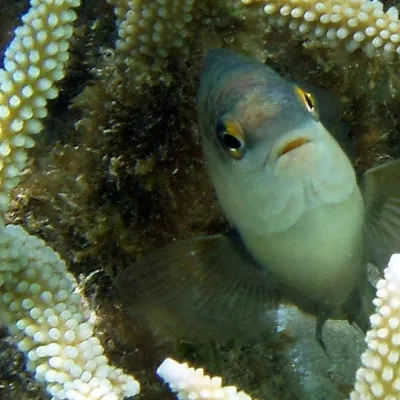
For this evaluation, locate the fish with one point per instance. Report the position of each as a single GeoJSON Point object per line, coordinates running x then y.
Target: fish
{"type": "Point", "coordinates": [304, 225]}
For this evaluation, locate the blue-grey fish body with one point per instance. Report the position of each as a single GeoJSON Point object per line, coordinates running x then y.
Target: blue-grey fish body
{"type": "Point", "coordinates": [300, 212]}
{"type": "Point", "coordinates": [304, 227]}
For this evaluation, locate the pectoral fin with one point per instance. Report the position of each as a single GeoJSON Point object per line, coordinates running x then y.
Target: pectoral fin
{"type": "Point", "coordinates": [209, 284]}
{"type": "Point", "coordinates": [381, 190]}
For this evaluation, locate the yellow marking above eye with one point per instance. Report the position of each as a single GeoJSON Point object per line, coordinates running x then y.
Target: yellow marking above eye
{"type": "Point", "coordinates": [231, 136]}
{"type": "Point", "coordinates": [233, 128]}
{"type": "Point", "coordinates": [308, 101]}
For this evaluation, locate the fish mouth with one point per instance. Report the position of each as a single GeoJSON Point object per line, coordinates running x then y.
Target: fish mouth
{"type": "Point", "coordinates": [292, 145]}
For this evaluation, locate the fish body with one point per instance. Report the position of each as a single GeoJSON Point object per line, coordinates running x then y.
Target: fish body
{"type": "Point", "coordinates": [298, 210]}
{"type": "Point", "coordinates": [304, 227]}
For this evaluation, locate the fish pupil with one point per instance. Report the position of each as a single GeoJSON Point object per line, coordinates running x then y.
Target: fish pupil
{"type": "Point", "coordinates": [231, 138]}
{"type": "Point", "coordinates": [309, 101]}
{"type": "Point", "coordinates": [231, 141]}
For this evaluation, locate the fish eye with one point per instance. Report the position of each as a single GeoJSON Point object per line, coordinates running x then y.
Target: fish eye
{"type": "Point", "coordinates": [308, 101]}
{"type": "Point", "coordinates": [231, 136]}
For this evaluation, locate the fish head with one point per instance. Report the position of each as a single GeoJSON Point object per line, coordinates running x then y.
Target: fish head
{"type": "Point", "coordinates": [270, 157]}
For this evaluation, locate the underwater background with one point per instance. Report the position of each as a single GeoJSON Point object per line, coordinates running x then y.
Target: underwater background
{"type": "Point", "coordinates": [118, 171]}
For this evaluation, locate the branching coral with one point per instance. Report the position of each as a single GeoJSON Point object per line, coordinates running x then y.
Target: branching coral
{"type": "Point", "coordinates": [151, 33]}
{"type": "Point", "coordinates": [55, 329]}
{"type": "Point", "coordinates": [351, 25]}
{"type": "Point", "coordinates": [39, 302]}
{"type": "Point", "coordinates": [189, 383]}
{"type": "Point", "coordinates": [50, 321]}
{"type": "Point", "coordinates": [148, 33]}
{"type": "Point", "coordinates": [379, 376]}
{"type": "Point", "coordinates": [33, 62]}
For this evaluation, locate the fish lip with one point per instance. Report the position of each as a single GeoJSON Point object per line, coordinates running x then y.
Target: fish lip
{"type": "Point", "coordinates": [277, 153]}
{"type": "Point", "coordinates": [290, 145]}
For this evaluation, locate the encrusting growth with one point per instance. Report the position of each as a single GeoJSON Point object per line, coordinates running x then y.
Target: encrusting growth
{"type": "Point", "coordinates": [348, 24]}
